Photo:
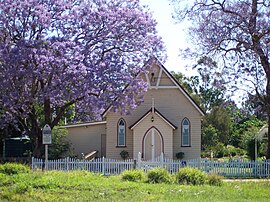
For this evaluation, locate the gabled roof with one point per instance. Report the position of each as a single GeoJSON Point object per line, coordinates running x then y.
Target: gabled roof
{"type": "Point", "coordinates": [157, 113]}
{"type": "Point", "coordinates": [177, 84]}
{"type": "Point", "coordinates": [185, 93]}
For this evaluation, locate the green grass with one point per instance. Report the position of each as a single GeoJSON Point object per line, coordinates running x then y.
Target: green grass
{"type": "Point", "coordinates": [86, 186]}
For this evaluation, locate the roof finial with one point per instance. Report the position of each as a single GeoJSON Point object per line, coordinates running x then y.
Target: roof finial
{"type": "Point", "coordinates": [153, 105]}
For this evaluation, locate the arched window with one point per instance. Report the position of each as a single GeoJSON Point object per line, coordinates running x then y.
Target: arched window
{"type": "Point", "coordinates": [185, 132]}
{"type": "Point", "coordinates": [121, 139]}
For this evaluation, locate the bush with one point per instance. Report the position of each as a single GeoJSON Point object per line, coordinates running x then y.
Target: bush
{"type": "Point", "coordinates": [124, 154]}
{"type": "Point", "coordinates": [191, 176]}
{"type": "Point", "coordinates": [133, 175]}
{"type": "Point", "coordinates": [214, 179]}
{"type": "Point", "coordinates": [5, 180]}
{"type": "Point", "coordinates": [14, 168]}
{"type": "Point", "coordinates": [159, 175]}
{"type": "Point", "coordinates": [206, 154]}
{"type": "Point", "coordinates": [60, 147]}
{"type": "Point", "coordinates": [180, 155]}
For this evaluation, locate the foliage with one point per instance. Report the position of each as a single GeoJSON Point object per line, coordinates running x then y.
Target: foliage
{"type": "Point", "coordinates": [248, 141]}
{"type": "Point", "coordinates": [133, 175]}
{"type": "Point", "coordinates": [220, 119]}
{"type": "Point", "coordinates": [60, 147]}
{"type": "Point", "coordinates": [5, 180]}
{"type": "Point", "coordinates": [236, 33]}
{"type": "Point", "coordinates": [255, 107]}
{"type": "Point", "coordinates": [13, 168]}
{"type": "Point", "coordinates": [124, 154]}
{"type": "Point", "coordinates": [159, 175]}
{"type": "Point", "coordinates": [66, 55]}
{"type": "Point", "coordinates": [86, 186]}
{"type": "Point", "coordinates": [214, 179]}
{"type": "Point", "coordinates": [251, 148]}
{"type": "Point", "coordinates": [191, 176]}
{"type": "Point", "coordinates": [209, 137]}
{"type": "Point", "coordinates": [180, 155]}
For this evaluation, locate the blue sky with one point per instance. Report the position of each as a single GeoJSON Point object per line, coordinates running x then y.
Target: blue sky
{"type": "Point", "coordinates": [173, 34]}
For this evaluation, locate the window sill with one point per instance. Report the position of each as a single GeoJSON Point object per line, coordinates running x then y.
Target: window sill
{"type": "Point", "coordinates": [121, 146]}
{"type": "Point", "coordinates": [185, 145]}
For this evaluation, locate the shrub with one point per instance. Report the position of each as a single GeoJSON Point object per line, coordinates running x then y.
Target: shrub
{"type": "Point", "coordinates": [214, 179]}
{"type": "Point", "coordinates": [5, 180]}
{"type": "Point", "coordinates": [14, 168]}
{"type": "Point", "coordinates": [124, 154]}
{"type": "Point", "coordinates": [159, 175]}
{"type": "Point", "coordinates": [206, 154]}
{"type": "Point", "coordinates": [180, 155]}
{"type": "Point", "coordinates": [60, 147]}
{"type": "Point", "coordinates": [191, 176]}
{"type": "Point", "coordinates": [133, 175]}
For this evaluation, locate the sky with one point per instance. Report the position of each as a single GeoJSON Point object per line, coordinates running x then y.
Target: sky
{"type": "Point", "coordinates": [173, 34]}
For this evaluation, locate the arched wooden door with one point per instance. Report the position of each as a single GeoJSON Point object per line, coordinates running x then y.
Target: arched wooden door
{"type": "Point", "coordinates": [152, 144]}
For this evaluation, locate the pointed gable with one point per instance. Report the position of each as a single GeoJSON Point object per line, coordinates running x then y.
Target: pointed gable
{"type": "Point", "coordinates": [148, 113]}
{"type": "Point", "coordinates": [158, 77]}
{"type": "Point", "coordinates": [162, 79]}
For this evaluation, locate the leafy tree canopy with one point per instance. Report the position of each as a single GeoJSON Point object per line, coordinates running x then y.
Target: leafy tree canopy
{"type": "Point", "coordinates": [236, 34]}
{"type": "Point", "coordinates": [55, 54]}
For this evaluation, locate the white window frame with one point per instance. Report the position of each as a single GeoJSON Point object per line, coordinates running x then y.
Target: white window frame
{"type": "Point", "coordinates": [184, 127]}
{"type": "Point", "coordinates": [119, 127]}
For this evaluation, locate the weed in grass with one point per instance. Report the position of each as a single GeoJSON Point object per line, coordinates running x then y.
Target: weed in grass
{"type": "Point", "coordinates": [215, 180]}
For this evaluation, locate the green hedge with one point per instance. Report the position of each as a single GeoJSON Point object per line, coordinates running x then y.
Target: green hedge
{"type": "Point", "coordinates": [14, 168]}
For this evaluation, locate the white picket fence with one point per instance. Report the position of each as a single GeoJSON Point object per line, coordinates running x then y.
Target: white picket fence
{"type": "Point", "coordinates": [236, 168]}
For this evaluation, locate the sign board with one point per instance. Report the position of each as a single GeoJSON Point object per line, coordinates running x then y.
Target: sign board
{"type": "Point", "coordinates": [47, 135]}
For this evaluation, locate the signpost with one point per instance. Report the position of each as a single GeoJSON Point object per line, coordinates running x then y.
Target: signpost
{"type": "Point", "coordinates": [46, 139]}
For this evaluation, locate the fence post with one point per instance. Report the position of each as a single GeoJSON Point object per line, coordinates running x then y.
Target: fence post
{"type": "Point", "coordinates": [255, 166]}
{"type": "Point", "coordinates": [162, 159]}
{"type": "Point", "coordinates": [139, 160]}
{"type": "Point", "coordinates": [103, 165]}
{"type": "Point", "coordinates": [67, 163]}
{"type": "Point", "coordinates": [134, 164]}
{"type": "Point", "coordinates": [32, 165]}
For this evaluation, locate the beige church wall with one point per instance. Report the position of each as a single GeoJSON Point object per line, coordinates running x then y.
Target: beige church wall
{"type": "Point", "coordinates": [113, 150]}
{"type": "Point", "coordinates": [174, 106]}
{"type": "Point", "coordinates": [86, 139]}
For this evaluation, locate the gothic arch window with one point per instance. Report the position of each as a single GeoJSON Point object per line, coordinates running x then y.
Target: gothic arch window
{"type": "Point", "coordinates": [185, 133]}
{"type": "Point", "coordinates": [121, 136]}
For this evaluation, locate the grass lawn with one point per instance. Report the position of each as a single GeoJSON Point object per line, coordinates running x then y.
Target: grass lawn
{"type": "Point", "coordinates": [85, 186]}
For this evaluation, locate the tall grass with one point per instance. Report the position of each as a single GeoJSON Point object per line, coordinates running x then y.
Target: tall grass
{"type": "Point", "coordinates": [86, 186]}
{"type": "Point", "coordinates": [18, 183]}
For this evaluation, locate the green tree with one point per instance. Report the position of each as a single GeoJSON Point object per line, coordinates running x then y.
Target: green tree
{"type": "Point", "coordinates": [220, 119]}
{"type": "Point", "coordinates": [60, 146]}
{"type": "Point", "coordinates": [236, 32]}
{"type": "Point", "coordinates": [209, 137]}
{"type": "Point", "coordinates": [211, 85]}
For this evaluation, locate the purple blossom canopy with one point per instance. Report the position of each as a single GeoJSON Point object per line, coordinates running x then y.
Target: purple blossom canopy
{"type": "Point", "coordinates": [59, 53]}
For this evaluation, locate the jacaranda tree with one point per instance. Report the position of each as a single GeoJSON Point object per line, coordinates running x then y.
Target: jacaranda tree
{"type": "Point", "coordinates": [55, 54]}
{"type": "Point", "coordinates": [236, 33]}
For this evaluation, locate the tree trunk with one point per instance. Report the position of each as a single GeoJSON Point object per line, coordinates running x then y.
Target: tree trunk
{"type": "Point", "coordinates": [268, 136]}
{"type": "Point", "coordinates": [37, 142]}
{"type": "Point", "coordinates": [267, 103]}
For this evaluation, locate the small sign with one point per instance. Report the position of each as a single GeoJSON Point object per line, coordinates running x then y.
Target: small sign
{"type": "Point", "coordinates": [47, 135]}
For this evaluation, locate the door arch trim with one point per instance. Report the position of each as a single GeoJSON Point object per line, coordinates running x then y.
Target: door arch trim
{"type": "Point", "coordinates": [161, 137]}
